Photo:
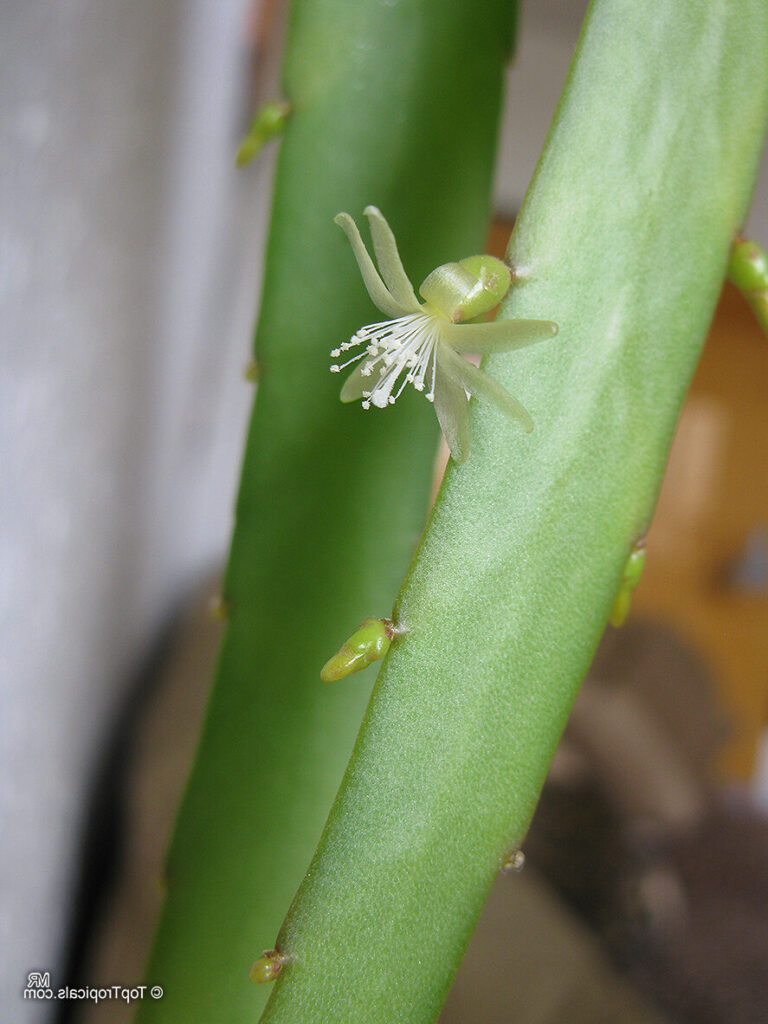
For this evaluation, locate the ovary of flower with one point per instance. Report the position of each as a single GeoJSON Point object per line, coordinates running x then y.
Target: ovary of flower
{"type": "Point", "coordinates": [420, 344]}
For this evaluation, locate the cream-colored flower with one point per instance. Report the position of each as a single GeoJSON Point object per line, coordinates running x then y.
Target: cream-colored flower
{"type": "Point", "coordinates": [420, 344]}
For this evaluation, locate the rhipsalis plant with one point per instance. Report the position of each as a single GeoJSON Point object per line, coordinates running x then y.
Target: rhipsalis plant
{"type": "Point", "coordinates": [625, 235]}
{"type": "Point", "coordinates": [332, 500]}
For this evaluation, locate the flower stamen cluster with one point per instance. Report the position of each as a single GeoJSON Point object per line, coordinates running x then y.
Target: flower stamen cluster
{"type": "Point", "coordinates": [421, 342]}
{"type": "Point", "coordinates": [393, 346]}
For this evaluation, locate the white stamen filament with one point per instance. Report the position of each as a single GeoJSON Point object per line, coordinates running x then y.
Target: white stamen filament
{"type": "Point", "coordinates": [400, 349]}
{"type": "Point", "coordinates": [336, 368]}
{"type": "Point", "coordinates": [430, 395]}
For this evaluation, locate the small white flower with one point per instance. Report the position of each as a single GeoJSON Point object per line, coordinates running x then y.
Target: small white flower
{"type": "Point", "coordinates": [420, 345]}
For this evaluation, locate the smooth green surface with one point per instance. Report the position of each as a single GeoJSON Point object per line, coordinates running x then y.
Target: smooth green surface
{"type": "Point", "coordinates": [332, 499]}
{"type": "Point", "coordinates": [623, 240]}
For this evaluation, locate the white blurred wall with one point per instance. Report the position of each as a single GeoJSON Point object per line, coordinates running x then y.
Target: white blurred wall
{"type": "Point", "coordinates": [130, 256]}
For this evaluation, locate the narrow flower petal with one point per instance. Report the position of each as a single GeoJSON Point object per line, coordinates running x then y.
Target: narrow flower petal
{"type": "Point", "coordinates": [482, 386]}
{"type": "Point", "coordinates": [498, 336]}
{"type": "Point", "coordinates": [379, 293]}
{"type": "Point", "coordinates": [388, 259]}
{"type": "Point", "coordinates": [452, 408]}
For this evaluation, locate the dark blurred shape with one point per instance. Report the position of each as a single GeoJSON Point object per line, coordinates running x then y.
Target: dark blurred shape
{"type": "Point", "coordinates": [748, 571]}
{"type": "Point", "coordinates": [532, 961]}
{"type": "Point", "coordinates": [709, 964]}
{"type": "Point", "coordinates": [635, 835]}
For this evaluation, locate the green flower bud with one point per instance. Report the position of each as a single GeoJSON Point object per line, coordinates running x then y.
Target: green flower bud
{"type": "Point", "coordinates": [251, 371]}
{"type": "Point", "coordinates": [369, 643]}
{"type": "Point", "coordinates": [218, 608]}
{"type": "Point", "coordinates": [267, 967]}
{"type": "Point", "coordinates": [269, 122]}
{"type": "Point", "coordinates": [748, 266]}
{"type": "Point", "coordinates": [630, 578]}
{"type": "Point", "coordinates": [467, 289]}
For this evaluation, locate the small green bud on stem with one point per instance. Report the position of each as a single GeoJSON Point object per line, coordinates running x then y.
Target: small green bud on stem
{"type": "Point", "coordinates": [369, 643]}
{"type": "Point", "coordinates": [251, 371]}
{"type": "Point", "coordinates": [748, 270]}
{"type": "Point", "coordinates": [633, 570]}
{"type": "Point", "coordinates": [267, 967]}
{"type": "Point", "coordinates": [269, 122]}
{"type": "Point", "coordinates": [218, 608]}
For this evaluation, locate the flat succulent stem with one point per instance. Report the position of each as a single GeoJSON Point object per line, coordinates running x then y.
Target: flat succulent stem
{"type": "Point", "coordinates": [626, 229]}
{"type": "Point", "coordinates": [330, 498]}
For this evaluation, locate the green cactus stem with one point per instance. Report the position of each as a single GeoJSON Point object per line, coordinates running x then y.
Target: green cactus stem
{"type": "Point", "coordinates": [624, 234]}
{"type": "Point", "coordinates": [332, 501]}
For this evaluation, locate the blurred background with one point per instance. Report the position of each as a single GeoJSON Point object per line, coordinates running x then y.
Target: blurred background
{"type": "Point", "coordinates": [130, 260]}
